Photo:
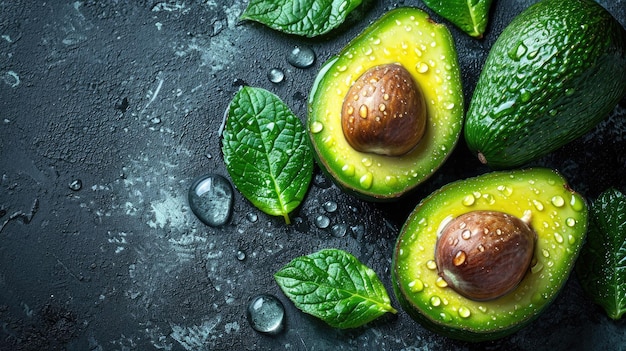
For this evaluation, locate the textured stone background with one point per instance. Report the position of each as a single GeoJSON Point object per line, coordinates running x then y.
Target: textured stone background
{"type": "Point", "coordinates": [128, 98]}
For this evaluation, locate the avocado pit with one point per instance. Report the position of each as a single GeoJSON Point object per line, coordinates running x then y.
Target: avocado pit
{"type": "Point", "coordinates": [384, 111]}
{"type": "Point", "coordinates": [484, 255]}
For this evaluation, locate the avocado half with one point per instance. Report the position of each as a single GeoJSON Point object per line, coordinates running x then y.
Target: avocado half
{"type": "Point", "coordinates": [557, 214]}
{"type": "Point", "coordinates": [405, 36]}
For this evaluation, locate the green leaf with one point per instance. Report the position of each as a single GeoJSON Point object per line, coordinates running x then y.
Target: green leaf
{"type": "Point", "coordinates": [469, 15]}
{"type": "Point", "coordinates": [266, 152]}
{"type": "Point", "coordinates": [601, 267]}
{"type": "Point", "coordinates": [336, 287]}
{"type": "Point", "coordinates": [300, 17]}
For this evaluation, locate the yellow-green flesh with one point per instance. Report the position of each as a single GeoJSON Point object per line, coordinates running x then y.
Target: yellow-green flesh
{"type": "Point", "coordinates": [559, 217]}
{"type": "Point", "coordinates": [426, 49]}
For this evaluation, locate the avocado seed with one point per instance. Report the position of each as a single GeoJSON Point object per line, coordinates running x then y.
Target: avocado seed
{"type": "Point", "coordinates": [484, 255]}
{"type": "Point", "coordinates": [384, 111]}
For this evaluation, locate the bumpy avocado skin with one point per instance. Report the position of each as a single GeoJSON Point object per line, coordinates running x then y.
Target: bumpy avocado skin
{"type": "Point", "coordinates": [559, 217]}
{"type": "Point", "coordinates": [553, 74]}
{"type": "Point", "coordinates": [426, 49]}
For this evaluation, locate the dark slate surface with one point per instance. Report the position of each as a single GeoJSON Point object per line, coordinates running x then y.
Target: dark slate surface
{"type": "Point", "coordinates": [128, 97]}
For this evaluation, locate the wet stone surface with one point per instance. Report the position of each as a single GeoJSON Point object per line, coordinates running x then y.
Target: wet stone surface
{"type": "Point", "coordinates": [129, 97]}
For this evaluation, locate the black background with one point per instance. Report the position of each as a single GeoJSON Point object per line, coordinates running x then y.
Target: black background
{"type": "Point", "coordinates": [128, 98]}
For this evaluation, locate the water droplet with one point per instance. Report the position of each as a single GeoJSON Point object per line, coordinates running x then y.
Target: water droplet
{"type": "Point", "coordinates": [241, 255]}
{"type": "Point", "coordinates": [489, 198]}
{"type": "Point", "coordinates": [525, 95]}
{"type": "Point", "coordinates": [440, 282]}
{"type": "Point", "coordinates": [76, 185]}
{"type": "Point", "coordinates": [577, 204]}
{"type": "Point", "coordinates": [558, 237]}
{"type": "Point", "coordinates": [570, 222]}
{"type": "Point", "coordinates": [431, 264]}
{"type": "Point", "coordinates": [367, 161]}
{"type": "Point", "coordinates": [459, 258]}
{"type": "Point", "coordinates": [252, 217]}
{"type": "Point", "coordinates": [558, 201]}
{"type": "Point", "coordinates": [537, 267]}
{"type": "Point", "coordinates": [518, 51]}
{"type": "Point", "coordinates": [468, 200]}
{"type": "Point", "coordinates": [571, 238]}
{"type": "Point", "coordinates": [316, 127]}
{"type": "Point", "coordinates": [366, 180]}
{"type": "Point", "coordinates": [266, 314]}
{"type": "Point", "coordinates": [391, 180]}
{"type": "Point", "coordinates": [532, 54]}
{"type": "Point", "coordinates": [339, 230]}
{"type": "Point", "coordinates": [466, 234]}
{"type": "Point", "coordinates": [301, 57]}
{"type": "Point", "coordinates": [211, 199]}
{"type": "Point", "coordinates": [505, 190]}
{"type": "Point", "coordinates": [482, 308]}
{"type": "Point", "coordinates": [348, 170]}
{"type": "Point", "coordinates": [545, 253]}
{"type": "Point", "coordinates": [421, 67]}
{"type": "Point", "coordinates": [416, 285]}
{"type": "Point", "coordinates": [435, 301]}
{"type": "Point", "coordinates": [464, 312]}
{"type": "Point", "coordinates": [276, 75]}
{"type": "Point", "coordinates": [538, 205]}
{"type": "Point", "coordinates": [330, 206]}
{"type": "Point", "coordinates": [322, 221]}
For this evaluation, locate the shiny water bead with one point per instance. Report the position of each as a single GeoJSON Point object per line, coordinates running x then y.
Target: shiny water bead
{"type": "Point", "coordinates": [266, 314]}
{"type": "Point", "coordinates": [330, 206]}
{"type": "Point", "coordinates": [276, 75]}
{"type": "Point", "coordinates": [211, 199]}
{"type": "Point", "coordinates": [76, 185]}
{"type": "Point", "coordinates": [322, 221]}
{"type": "Point", "coordinates": [301, 57]}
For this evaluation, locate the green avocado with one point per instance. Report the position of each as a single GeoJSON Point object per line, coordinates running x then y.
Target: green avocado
{"type": "Point", "coordinates": [539, 196]}
{"type": "Point", "coordinates": [553, 74]}
{"type": "Point", "coordinates": [406, 38]}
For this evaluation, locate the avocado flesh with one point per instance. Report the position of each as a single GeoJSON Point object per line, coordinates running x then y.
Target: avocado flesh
{"type": "Point", "coordinates": [553, 74]}
{"type": "Point", "coordinates": [406, 36]}
{"type": "Point", "coordinates": [558, 216]}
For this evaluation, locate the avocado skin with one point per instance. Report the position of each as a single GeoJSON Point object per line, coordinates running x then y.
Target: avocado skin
{"type": "Point", "coordinates": [567, 76]}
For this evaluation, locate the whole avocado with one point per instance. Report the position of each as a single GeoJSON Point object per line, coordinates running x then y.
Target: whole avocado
{"type": "Point", "coordinates": [554, 73]}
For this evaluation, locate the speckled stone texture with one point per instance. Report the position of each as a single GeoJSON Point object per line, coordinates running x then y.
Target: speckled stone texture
{"type": "Point", "coordinates": [128, 97]}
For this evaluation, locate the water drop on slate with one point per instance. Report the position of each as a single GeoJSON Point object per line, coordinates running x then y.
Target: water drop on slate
{"type": "Point", "coordinates": [301, 57]}
{"type": "Point", "coordinates": [211, 199]}
{"type": "Point", "coordinates": [276, 75]}
{"type": "Point", "coordinates": [266, 314]}
{"type": "Point", "coordinates": [76, 185]}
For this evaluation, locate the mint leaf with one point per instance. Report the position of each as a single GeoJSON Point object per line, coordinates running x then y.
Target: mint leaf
{"type": "Point", "coordinates": [471, 16]}
{"type": "Point", "coordinates": [266, 151]}
{"type": "Point", "coordinates": [336, 287]}
{"type": "Point", "coordinates": [601, 266]}
{"type": "Point", "coordinates": [300, 17]}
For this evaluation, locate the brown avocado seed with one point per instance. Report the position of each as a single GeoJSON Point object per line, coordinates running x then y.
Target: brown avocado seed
{"type": "Point", "coordinates": [484, 255]}
{"type": "Point", "coordinates": [384, 112]}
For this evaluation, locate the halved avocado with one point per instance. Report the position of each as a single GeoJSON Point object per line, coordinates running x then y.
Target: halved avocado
{"type": "Point", "coordinates": [556, 213]}
{"type": "Point", "coordinates": [405, 37]}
